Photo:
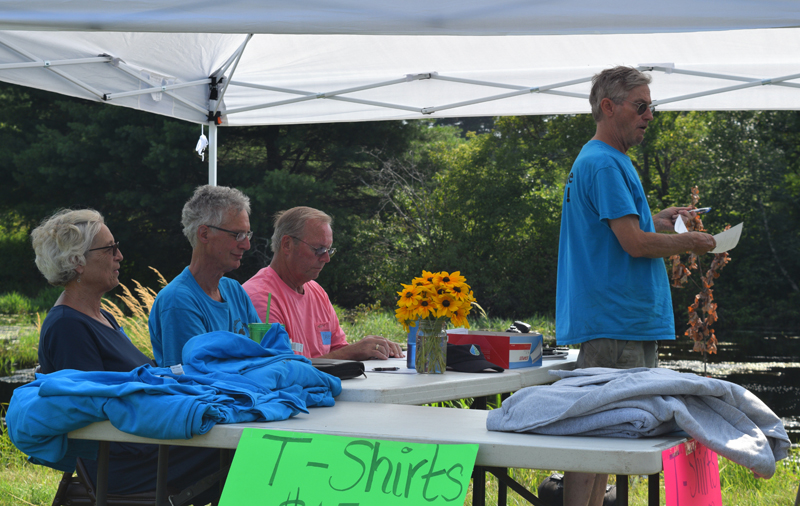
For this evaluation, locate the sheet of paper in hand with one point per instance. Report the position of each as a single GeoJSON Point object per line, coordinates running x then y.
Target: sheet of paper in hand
{"type": "Point", "coordinates": [726, 240]}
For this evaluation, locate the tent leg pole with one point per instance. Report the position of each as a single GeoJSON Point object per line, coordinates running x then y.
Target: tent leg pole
{"type": "Point", "coordinates": [212, 154]}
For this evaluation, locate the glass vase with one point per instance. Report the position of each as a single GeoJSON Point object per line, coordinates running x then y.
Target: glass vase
{"type": "Point", "coordinates": [431, 347]}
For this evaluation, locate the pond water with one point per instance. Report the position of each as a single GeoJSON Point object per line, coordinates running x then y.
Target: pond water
{"type": "Point", "coordinates": [767, 363]}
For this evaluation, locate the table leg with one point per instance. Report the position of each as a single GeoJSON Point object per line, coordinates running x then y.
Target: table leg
{"type": "Point", "coordinates": [478, 486]}
{"type": "Point", "coordinates": [507, 481]}
{"type": "Point", "coordinates": [225, 458]}
{"type": "Point", "coordinates": [101, 488]}
{"type": "Point", "coordinates": [478, 403]}
{"type": "Point", "coordinates": [502, 489]}
{"type": "Point", "coordinates": [162, 498]}
{"type": "Point", "coordinates": [654, 489]}
{"type": "Point", "coordinates": [622, 490]}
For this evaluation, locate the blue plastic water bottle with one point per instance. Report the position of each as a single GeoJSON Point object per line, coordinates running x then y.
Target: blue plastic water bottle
{"type": "Point", "coordinates": [412, 346]}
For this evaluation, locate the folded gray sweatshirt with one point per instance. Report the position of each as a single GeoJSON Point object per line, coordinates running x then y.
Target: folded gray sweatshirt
{"type": "Point", "coordinates": [643, 402]}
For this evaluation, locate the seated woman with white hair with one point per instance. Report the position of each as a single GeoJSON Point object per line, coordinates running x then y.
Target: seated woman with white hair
{"type": "Point", "coordinates": [76, 250]}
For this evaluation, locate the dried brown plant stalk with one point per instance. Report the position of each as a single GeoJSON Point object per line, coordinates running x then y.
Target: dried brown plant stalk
{"type": "Point", "coordinates": [135, 325]}
{"type": "Point", "coordinates": [703, 312]}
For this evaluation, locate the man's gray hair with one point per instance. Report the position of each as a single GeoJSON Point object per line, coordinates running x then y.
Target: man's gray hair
{"type": "Point", "coordinates": [615, 84]}
{"type": "Point", "coordinates": [210, 205]}
{"type": "Point", "coordinates": [292, 222]}
{"type": "Point", "coordinates": [61, 243]}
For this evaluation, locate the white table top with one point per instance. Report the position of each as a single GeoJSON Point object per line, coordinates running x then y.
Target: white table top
{"type": "Point", "coordinates": [394, 388]}
{"type": "Point", "coordinates": [439, 425]}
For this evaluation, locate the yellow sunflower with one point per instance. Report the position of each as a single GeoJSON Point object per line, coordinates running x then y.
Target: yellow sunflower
{"type": "Point", "coordinates": [409, 295]}
{"type": "Point", "coordinates": [460, 291]}
{"type": "Point", "coordinates": [404, 315]}
{"type": "Point", "coordinates": [424, 309]}
{"type": "Point", "coordinates": [420, 281]}
{"type": "Point", "coordinates": [445, 305]}
{"type": "Point", "coordinates": [446, 279]}
{"type": "Point", "coordinates": [459, 317]}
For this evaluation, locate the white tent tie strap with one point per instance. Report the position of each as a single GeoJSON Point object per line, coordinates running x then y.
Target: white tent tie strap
{"type": "Point", "coordinates": [202, 144]}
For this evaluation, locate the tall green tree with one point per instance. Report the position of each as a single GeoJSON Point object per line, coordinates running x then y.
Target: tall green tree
{"type": "Point", "coordinates": [138, 169]}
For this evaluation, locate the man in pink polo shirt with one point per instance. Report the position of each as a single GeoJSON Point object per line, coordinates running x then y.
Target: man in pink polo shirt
{"type": "Point", "coordinates": [301, 245]}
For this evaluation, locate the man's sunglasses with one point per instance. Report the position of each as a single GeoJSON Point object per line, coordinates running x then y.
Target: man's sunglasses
{"type": "Point", "coordinates": [641, 107]}
{"type": "Point", "coordinates": [317, 251]}
{"type": "Point", "coordinates": [240, 236]}
{"type": "Point", "coordinates": [114, 248]}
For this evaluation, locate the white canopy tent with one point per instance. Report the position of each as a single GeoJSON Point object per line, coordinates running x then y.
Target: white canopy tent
{"type": "Point", "coordinates": [252, 62]}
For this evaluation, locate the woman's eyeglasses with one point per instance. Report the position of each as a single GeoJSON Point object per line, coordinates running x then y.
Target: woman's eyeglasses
{"type": "Point", "coordinates": [114, 248]}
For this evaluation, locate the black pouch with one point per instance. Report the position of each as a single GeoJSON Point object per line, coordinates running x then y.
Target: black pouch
{"type": "Point", "coordinates": [342, 369]}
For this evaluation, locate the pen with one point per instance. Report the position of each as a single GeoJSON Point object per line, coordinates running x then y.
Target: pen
{"type": "Point", "coordinates": [702, 210]}
{"type": "Point", "coordinates": [386, 369]}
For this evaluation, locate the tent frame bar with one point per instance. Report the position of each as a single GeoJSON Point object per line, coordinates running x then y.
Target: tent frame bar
{"type": "Point", "coordinates": [52, 63]}
{"type": "Point", "coordinates": [30, 56]}
{"type": "Point", "coordinates": [161, 89]}
{"type": "Point", "coordinates": [135, 74]}
{"type": "Point", "coordinates": [336, 95]}
{"type": "Point", "coordinates": [750, 83]}
{"type": "Point", "coordinates": [235, 59]}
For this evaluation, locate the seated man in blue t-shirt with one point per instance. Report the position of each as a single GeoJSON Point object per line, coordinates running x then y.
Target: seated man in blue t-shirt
{"type": "Point", "coordinates": [612, 293]}
{"type": "Point", "coordinates": [199, 300]}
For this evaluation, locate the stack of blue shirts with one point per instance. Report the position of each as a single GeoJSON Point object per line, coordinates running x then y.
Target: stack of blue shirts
{"type": "Point", "coordinates": [227, 378]}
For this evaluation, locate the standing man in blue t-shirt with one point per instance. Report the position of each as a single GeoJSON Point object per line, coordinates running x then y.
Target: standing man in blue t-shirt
{"type": "Point", "coordinates": [216, 220]}
{"type": "Point", "coordinates": [613, 294]}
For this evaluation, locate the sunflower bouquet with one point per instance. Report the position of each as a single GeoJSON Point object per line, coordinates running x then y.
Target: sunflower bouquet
{"type": "Point", "coordinates": [430, 300]}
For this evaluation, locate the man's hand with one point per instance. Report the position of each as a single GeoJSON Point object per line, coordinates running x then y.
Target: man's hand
{"type": "Point", "coordinates": [664, 221]}
{"type": "Point", "coordinates": [369, 348]}
{"type": "Point", "coordinates": [702, 243]}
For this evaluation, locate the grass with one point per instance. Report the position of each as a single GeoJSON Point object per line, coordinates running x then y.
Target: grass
{"type": "Point", "coordinates": [21, 352]}
{"type": "Point", "coordinates": [22, 482]}
{"type": "Point", "coordinates": [18, 304]}
{"type": "Point", "coordinates": [134, 321]}
{"type": "Point", "coordinates": [15, 303]}
{"type": "Point", "coordinates": [376, 320]}
{"type": "Point", "coordinates": [738, 485]}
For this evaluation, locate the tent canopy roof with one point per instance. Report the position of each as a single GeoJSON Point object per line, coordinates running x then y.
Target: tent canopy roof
{"type": "Point", "coordinates": [280, 62]}
{"type": "Point", "coordinates": [410, 17]}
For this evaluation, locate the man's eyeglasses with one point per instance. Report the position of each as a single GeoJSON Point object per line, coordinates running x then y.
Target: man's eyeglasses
{"type": "Point", "coordinates": [641, 107]}
{"type": "Point", "coordinates": [114, 248]}
{"type": "Point", "coordinates": [317, 251]}
{"type": "Point", "coordinates": [240, 236]}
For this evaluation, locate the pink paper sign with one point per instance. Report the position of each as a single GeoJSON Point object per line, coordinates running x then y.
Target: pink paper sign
{"type": "Point", "coordinates": [691, 475]}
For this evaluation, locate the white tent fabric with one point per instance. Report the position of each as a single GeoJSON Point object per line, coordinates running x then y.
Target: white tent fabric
{"type": "Point", "coordinates": [409, 17]}
{"type": "Point", "coordinates": [356, 60]}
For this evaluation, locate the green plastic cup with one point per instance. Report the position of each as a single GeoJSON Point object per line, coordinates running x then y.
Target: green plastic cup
{"type": "Point", "coordinates": [257, 331]}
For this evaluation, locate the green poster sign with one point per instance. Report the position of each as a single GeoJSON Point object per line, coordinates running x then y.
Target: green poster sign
{"type": "Point", "coordinates": [278, 468]}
